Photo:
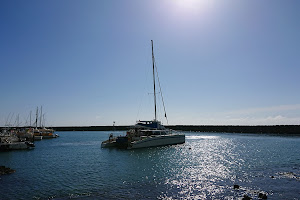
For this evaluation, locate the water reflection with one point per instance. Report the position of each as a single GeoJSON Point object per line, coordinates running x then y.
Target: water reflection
{"type": "Point", "coordinates": [207, 166]}
{"type": "Point", "coordinates": [197, 137]}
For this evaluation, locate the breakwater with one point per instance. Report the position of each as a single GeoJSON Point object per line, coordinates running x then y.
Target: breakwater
{"type": "Point", "coordinates": [276, 129]}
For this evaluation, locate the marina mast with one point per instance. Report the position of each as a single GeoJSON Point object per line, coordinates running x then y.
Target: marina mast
{"type": "Point", "coordinates": [36, 117]}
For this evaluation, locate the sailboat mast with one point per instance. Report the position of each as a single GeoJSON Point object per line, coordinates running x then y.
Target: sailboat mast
{"type": "Point", "coordinates": [41, 116]}
{"type": "Point", "coordinates": [30, 119]}
{"type": "Point", "coordinates": [36, 117]}
{"type": "Point", "coordinates": [154, 81]}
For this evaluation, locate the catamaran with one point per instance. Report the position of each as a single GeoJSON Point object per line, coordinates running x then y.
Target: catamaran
{"type": "Point", "coordinates": [146, 133]}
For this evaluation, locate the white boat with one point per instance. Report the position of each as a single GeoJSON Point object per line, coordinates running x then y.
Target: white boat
{"type": "Point", "coordinates": [152, 134]}
{"type": "Point", "coordinates": [154, 141]}
{"type": "Point", "coordinates": [16, 146]}
{"type": "Point", "coordinates": [12, 142]}
{"type": "Point", "coordinates": [38, 137]}
{"type": "Point", "coordinates": [147, 133]}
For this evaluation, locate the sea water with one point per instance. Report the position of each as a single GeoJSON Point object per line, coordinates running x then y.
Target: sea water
{"type": "Point", "coordinates": [207, 166]}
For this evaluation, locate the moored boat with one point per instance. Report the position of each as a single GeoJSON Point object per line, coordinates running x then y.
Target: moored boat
{"type": "Point", "coordinates": [141, 137]}
{"type": "Point", "coordinates": [147, 133]}
{"type": "Point", "coordinates": [111, 142]}
{"type": "Point", "coordinates": [38, 137]}
{"type": "Point", "coordinates": [44, 133]}
{"type": "Point", "coordinates": [12, 142]}
{"type": "Point", "coordinates": [16, 146]}
{"type": "Point", "coordinates": [47, 133]}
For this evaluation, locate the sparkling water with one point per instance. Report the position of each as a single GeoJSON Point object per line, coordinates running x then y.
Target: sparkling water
{"type": "Point", "coordinates": [207, 166]}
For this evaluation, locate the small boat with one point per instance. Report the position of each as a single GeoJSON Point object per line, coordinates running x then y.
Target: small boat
{"type": "Point", "coordinates": [38, 137]}
{"type": "Point", "coordinates": [111, 142]}
{"type": "Point", "coordinates": [16, 146]}
{"type": "Point", "coordinates": [42, 132]}
{"type": "Point", "coordinates": [12, 142]}
{"type": "Point", "coordinates": [47, 133]}
{"type": "Point", "coordinates": [147, 133]}
{"type": "Point", "coordinates": [25, 134]}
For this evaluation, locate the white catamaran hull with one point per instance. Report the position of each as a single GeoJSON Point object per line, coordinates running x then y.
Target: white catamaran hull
{"type": "Point", "coordinates": [159, 140]}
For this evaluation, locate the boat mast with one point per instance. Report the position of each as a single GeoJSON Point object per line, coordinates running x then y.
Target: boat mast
{"type": "Point", "coordinates": [41, 116]}
{"type": "Point", "coordinates": [154, 81]}
{"type": "Point", "coordinates": [30, 119]}
{"type": "Point", "coordinates": [36, 117]}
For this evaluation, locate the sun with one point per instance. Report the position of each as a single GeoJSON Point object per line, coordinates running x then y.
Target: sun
{"type": "Point", "coordinates": [193, 5]}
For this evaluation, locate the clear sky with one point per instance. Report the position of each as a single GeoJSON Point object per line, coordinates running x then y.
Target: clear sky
{"type": "Point", "coordinates": [89, 62]}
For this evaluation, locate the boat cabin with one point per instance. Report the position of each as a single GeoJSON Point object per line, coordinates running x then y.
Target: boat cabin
{"type": "Point", "coordinates": [150, 124]}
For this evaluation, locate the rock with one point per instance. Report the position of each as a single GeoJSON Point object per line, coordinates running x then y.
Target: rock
{"type": "Point", "coordinates": [236, 187]}
{"type": "Point", "coordinates": [246, 197]}
{"type": "Point", "coordinates": [6, 170]}
{"type": "Point", "coordinates": [262, 196]}
{"type": "Point", "coordinates": [272, 176]}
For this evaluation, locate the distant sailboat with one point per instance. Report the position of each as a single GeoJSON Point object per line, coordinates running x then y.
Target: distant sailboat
{"type": "Point", "coordinates": [42, 132]}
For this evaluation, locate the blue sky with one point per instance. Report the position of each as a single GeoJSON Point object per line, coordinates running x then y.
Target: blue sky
{"type": "Point", "coordinates": [89, 62]}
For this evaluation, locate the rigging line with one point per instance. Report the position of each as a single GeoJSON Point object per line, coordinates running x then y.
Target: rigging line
{"type": "Point", "coordinates": [26, 120]}
{"type": "Point", "coordinates": [6, 122]}
{"type": "Point", "coordinates": [162, 98]}
{"type": "Point", "coordinates": [9, 123]}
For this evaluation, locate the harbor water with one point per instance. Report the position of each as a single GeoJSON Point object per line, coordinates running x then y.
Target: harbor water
{"type": "Point", "coordinates": [207, 166]}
